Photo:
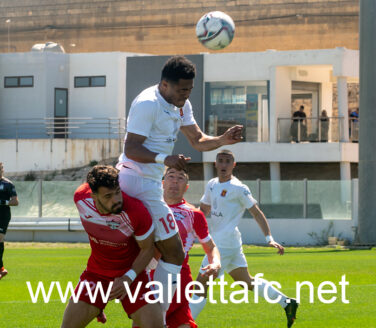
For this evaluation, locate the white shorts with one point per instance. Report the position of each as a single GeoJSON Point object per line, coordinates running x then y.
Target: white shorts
{"type": "Point", "coordinates": [150, 193]}
{"type": "Point", "coordinates": [231, 259]}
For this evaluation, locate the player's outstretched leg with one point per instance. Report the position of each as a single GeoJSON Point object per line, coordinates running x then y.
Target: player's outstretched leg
{"type": "Point", "coordinates": [290, 310]}
{"type": "Point", "coordinates": [264, 289]}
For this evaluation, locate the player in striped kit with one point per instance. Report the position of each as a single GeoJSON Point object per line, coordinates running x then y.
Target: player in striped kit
{"type": "Point", "coordinates": [121, 235]}
{"type": "Point", "coordinates": [191, 223]}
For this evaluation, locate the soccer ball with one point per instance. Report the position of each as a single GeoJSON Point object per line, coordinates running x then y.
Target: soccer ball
{"type": "Point", "coordinates": [215, 30]}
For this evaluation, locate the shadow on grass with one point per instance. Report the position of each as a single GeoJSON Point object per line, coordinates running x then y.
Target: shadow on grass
{"type": "Point", "coordinates": [272, 252]}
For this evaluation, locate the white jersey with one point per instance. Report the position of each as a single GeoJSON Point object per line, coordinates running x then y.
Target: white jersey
{"type": "Point", "coordinates": [152, 116]}
{"type": "Point", "coordinates": [228, 200]}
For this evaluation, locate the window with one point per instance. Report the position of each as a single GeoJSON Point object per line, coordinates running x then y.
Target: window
{"type": "Point", "coordinates": [18, 81]}
{"type": "Point", "coordinates": [89, 81]}
{"type": "Point", "coordinates": [238, 102]}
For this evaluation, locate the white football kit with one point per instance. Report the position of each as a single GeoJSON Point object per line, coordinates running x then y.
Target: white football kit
{"type": "Point", "coordinates": [153, 117]}
{"type": "Point", "coordinates": [228, 201]}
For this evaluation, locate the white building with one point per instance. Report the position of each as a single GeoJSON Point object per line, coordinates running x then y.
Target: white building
{"type": "Point", "coordinates": [53, 102]}
{"type": "Point", "coordinates": [60, 110]}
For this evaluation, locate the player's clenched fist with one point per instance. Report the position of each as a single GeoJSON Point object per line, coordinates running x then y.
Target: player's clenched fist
{"type": "Point", "coordinates": [177, 161]}
{"type": "Point", "coordinates": [232, 135]}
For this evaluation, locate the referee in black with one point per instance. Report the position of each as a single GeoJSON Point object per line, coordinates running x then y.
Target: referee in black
{"type": "Point", "coordinates": [8, 197]}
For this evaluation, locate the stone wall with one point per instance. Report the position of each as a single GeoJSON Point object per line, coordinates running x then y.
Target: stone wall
{"type": "Point", "coordinates": [168, 26]}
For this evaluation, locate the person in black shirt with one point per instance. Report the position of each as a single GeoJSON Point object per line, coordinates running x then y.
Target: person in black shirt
{"type": "Point", "coordinates": [299, 119]}
{"type": "Point", "coordinates": [8, 197]}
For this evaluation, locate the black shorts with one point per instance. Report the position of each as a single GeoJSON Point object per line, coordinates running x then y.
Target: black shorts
{"type": "Point", "coordinates": [4, 222]}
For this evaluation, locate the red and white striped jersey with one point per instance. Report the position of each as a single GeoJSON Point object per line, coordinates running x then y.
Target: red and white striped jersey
{"type": "Point", "coordinates": [113, 237]}
{"type": "Point", "coordinates": [191, 222]}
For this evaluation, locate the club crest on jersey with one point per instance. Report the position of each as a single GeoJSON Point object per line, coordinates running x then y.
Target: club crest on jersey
{"type": "Point", "coordinates": [179, 216]}
{"type": "Point", "coordinates": [113, 225]}
{"type": "Point", "coordinates": [181, 112]}
{"type": "Point", "coordinates": [224, 192]}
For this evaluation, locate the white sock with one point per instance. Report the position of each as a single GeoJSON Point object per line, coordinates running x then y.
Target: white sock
{"type": "Point", "coordinates": [196, 308]}
{"type": "Point", "coordinates": [161, 274]}
{"type": "Point", "coordinates": [271, 292]}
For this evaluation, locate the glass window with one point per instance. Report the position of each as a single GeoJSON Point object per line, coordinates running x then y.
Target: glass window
{"type": "Point", "coordinates": [81, 82]}
{"type": "Point", "coordinates": [11, 82]}
{"type": "Point", "coordinates": [89, 81]}
{"type": "Point", "coordinates": [98, 81]}
{"type": "Point", "coordinates": [243, 102]}
{"type": "Point", "coordinates": [18, 81]}
{"type": "Point", "coordinates": [26, 81]}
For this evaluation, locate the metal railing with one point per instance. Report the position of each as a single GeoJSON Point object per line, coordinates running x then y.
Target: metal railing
{"type": "Point", "coordinates": [354, 129]}
{"type": "Point", "coordinates": [63, 128]}
{"type": "Point", "coordinates": [310, 129]}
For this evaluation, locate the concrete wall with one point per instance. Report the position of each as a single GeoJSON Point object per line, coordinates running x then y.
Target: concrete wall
{"type": "Point", "coordinates": [108, 101]}
{"type": "Point", "coordinates": [36, 154]}
{"type": "Point", "coordinates": [167, 27]}
{"type": "Point", "coordinates": [285, 152]}
{"type": "Point", "coordinates": [49, 71]}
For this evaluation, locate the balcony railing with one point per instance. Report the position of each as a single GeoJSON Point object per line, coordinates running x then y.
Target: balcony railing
{"type": "Point", "coordinates": [63, 127]}
{"type": "Point", "coordinates": [313, 129]}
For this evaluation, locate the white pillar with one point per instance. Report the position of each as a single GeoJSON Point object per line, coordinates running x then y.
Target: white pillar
{"type": "Point", "coordinates": [280, 103]}
{"type": "Point", "coordinates": [275, 181]}
{"type": "Point", "coordinates": [345, 176]}
{"type": "Point", "coordinates": [343, 107]}
{"type": "Point", "coordinates": [208, 171]}
{"type": "Point", "coordinates": [327, 103]}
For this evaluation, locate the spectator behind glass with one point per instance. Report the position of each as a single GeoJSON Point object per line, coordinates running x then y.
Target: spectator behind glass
{"type": "Point", "coordinates": [324, 126]}
{"type": "Point", "coordinates": [299, 118]}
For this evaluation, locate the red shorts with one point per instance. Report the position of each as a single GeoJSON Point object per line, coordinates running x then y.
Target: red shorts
{"type": "Point", "coordinates": [180, 313]}
{"type": "Point", "coordinates": [93, 279]}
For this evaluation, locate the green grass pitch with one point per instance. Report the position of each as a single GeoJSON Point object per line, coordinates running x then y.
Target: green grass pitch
{"type": "Point", "coordinates": [65, 262]}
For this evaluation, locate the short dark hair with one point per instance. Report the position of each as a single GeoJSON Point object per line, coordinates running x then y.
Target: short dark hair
{"type": "Point", "coordinates": [184, 170]}
{"type": "Point", "coordinates": [301, 107]}
{"type": "Point", "coordinates": [102, 176]}
{"type": "Point", "coordinates": [226, 152]}
{"type": "Point", "coordinates": [178, 67]}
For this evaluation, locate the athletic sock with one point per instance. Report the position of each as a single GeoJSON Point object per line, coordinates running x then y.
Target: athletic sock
{"type": "Point", "coordinates": [271, 292]}
{"type": "Point", "coordinates": [161, 274]}
{"type": "Point", "coordinates": [196, 308]}
{"type": "Point", "coordinates": [1, 254]}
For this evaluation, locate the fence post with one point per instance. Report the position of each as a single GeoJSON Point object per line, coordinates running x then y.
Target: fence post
{"type": "Point", "coordinates": [258, 181]}
{"type": "Point", "coordinates": [320, 130]}
{"type": "Point", "coordinates": [40, 189]}
{"type": "Point", "coordinates": [299, 129]}
{"type": "Point", "coordinates": [51, 135]}
{"type": "Point", "coordinates": [109, 137]}
{"type": "Point", "coordinates": [119, 134]}
{"type": "Point", "coordinates": [16, 135]}
{"type": "Point", "coordinates": [66, 125]}
{"type": "Point", "coordinates": [305, 195]}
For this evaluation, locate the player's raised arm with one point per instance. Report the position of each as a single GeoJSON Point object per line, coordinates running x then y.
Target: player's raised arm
{"type": "Point", "coordinates": [202, 142]}
{"type": "Point", "coordinates": [264, 225]}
